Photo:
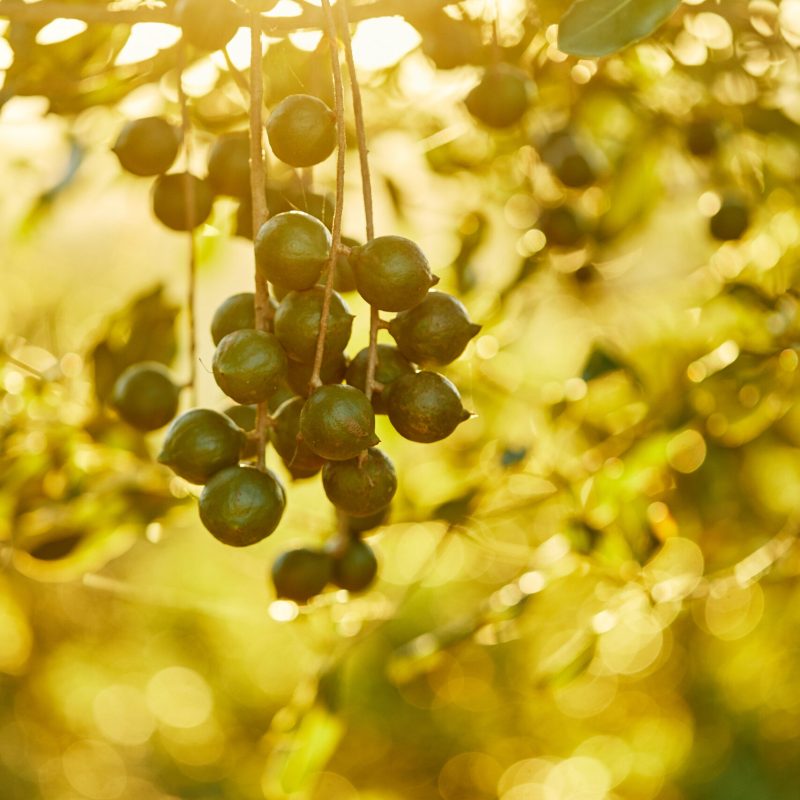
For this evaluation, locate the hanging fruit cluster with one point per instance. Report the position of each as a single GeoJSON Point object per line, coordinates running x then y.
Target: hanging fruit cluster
{"type": "Point", "coordinates": [286, 369]}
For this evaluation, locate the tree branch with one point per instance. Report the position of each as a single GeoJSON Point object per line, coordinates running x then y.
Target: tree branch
{"type": "Point", "coordinates": [310, 18]}
{"type": "Point", "coordinates": [366, 188]}
{"type": "Point", "coordinates": [336, 233]}
{"type": "Point", "coordinates": [259, 208]}
{"type": "Point", "coordinates": [189, 202]}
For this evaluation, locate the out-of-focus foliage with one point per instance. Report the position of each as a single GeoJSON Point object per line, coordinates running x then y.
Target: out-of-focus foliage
{"type": "Point", "coordinates": [589, 591]}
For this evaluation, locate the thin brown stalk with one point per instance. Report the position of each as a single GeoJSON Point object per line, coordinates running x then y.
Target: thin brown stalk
{"type": "Point", "coordinates": [259, 206]}
{"type": "Point", "coordinates": [22, 365]}
{"type": "Point", "coordinates": [336, 233]}
{"type": "Point", "coordinates": [366, 186]}
{"type": "Point", "coordinates": [358, 113]}
{"type": "Point", "coordinates": [189, 202]}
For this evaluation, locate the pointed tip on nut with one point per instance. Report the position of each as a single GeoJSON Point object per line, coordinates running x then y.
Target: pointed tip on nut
{"type": "Point", "coordinates": [465, 415]}
{"type": "Point", "coordinates": [434, 280]}
{"type": "Point", "coordinates": [474, 330]}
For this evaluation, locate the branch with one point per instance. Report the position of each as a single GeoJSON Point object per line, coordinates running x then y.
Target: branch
{"type": "Point", "coordinates": [259, 208]}
{"type": "Point", "coordinates": [366, 189]}
{"type": "Point", "coordinates": [336, 233]}
{"type": "Point", "coordinates": [49, 10]}
{"type": "Point", "coordinates": [189, 202]}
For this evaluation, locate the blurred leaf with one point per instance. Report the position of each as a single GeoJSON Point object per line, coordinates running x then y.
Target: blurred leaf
{"type": "Point", "coordinates": [56, 548]}
{"type": "Point", "coordinates": [600, 362]}
{"type": "Point", "coordinates": [574, 667]}
{"type": "Point", "coordinates": [396, 197]}
{"type": "Point", "coordinates": [45, 200]}
{"type": "Point", "coordinates": [472, 232]}
{"type": "Point", "coordinates": [289, 70]}
{"type": "Point", "coordinates": [748, 294]}
{"type": "Point", "coordinates": [310, 748]}
{"type": "Point", "coordinates": [593, 28]}
{"type": "Point", "coordinates": [458, 509]}
{"type": "Point", "coordinates": [511, 456]}
{"type": "Point", "coordinates": [635, 191]}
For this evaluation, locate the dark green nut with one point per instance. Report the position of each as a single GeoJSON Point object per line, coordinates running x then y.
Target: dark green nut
{"type": "Point", "coordinates": [245, 418]}
{"type": "Point", "coordinates": [146, 396]}
{"type": "Point", "coordinates": [391, 273]}
{"type": "Point", "coordinates": [435, 332]}
{"type": "Point", "coordinates": [354, 565]}
{"type": "Point", "coordinates": [249, 365]}
{"type": "Point", "coordinates": [332, 370]}
{"type": "Point", "coordinates": [451, 43]}
{"type": "Point", "coordinates": [358, 526]}
{"type": "Point", "coordinates": [236, 313]}
{"type": "Point", "coordinates": [337, 422]}
{"type": "Point", "coordinates": [147, 146]}
{"type": "Point", "coordinates": [425, 407]}
{"type": "Point", "coordinates": [502, 96]}
{"type": "Point", "coordinates": [297, 323]}
{"type": "Point", "coordinates": [343, 278]}
{"type": "Point", "coordinates": [169, 201]}
{"type": "Point", "coordinates": [361, 486]}
{"type": "Point", "coordinates": [569, 161]}
{"type": "Point", "coordinates": [563, 226]}
{"type": "Point", "coordinates": [242, 505]}
{"type": "Point", "coordinates": [731, 221]}
{"type": "Point", "coordinates": [301, 574]}
{"type": "Point", "coordinates": [302, 130]}
{"type": "Point", "coordinates": [390, 365]}
{"type": "Point", "coordinates": [283, 393]}
{"type": "Point", "coordinates": [200, 443]}
{"type": "Point", "coordinates": [208, 24]}
{"type": "Point", "coordinates": [289, 446]}
{"type": "Point", "coordinates": [702, 137]}
{"type": "Point", "coordinates": [291, 250]}
{"type": "Point", "coordinates": [229, 164]}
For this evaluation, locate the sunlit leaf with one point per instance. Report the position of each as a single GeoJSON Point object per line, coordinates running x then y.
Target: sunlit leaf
{"type": "Point", "coordinates": [593, 28]}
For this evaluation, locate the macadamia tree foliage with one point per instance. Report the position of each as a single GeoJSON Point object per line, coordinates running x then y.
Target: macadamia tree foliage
{"type": "Point", "coordinates": [400, 399]}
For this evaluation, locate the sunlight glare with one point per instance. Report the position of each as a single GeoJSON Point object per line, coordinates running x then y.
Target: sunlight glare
{"type": "Point", "coordinates": [238, 49]}
{"type": "Point", "coordinates": [200, 77]}
{"type": "Point", "coordinates": [59, 30]}
{"type": "Point", "coordinates": [306, 40]}
{"type": "Point", "coordinates": [382, 42]}
{"type": "Point", "coordinates": [6, 54]}
{"type": "Point", "coordinates": [285, 8]}
{"type": "Point", "coordinates": [145, 41]}
{"type": "Point", "coordinates": [283, 610]}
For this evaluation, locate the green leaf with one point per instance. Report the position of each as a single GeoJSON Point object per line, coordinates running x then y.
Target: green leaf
{"type": "Point", "coordinates": [636, 190]}
{"type": "Point", "coordinates": [593, 28]}
{"type": "Point", "coordinates": [309, 749]}
{"type": "Point", "coordinates": [600, 363]}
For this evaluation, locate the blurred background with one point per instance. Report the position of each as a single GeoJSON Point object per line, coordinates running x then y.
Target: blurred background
{"type": "Point", "coordinates": [589, 591]}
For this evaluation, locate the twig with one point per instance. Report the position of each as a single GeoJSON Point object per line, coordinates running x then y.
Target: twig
{"type": "Point", "coordinates": [23, 366]}
{"type": "Point", "coordinates": [496, 51]}
{"type": "Point", "coordinates": [310, 18]}
{"type": "Point", "coordinates": [366, 187]}
{"type": "Point", "coordinates": [47, 11]}
{"type": "Point", "coordinates": [336, 233]}
{"type": "Point", "coordinates": [189, 201]}
{"type": "Point", "coordinates": [259, 208]}
{"type": "Point", "coordinates": [358, 113]}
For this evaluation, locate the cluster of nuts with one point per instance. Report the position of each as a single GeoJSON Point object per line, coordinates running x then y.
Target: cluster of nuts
{"type": "Point", "coordinates": [321, 408]}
